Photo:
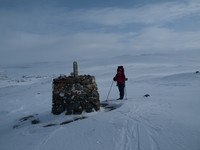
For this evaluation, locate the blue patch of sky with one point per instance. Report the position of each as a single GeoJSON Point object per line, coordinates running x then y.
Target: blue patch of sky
{"type": "Point", "coordinates": [185, 24]}
{"type": "Point", "coordinates": [65, 27]}
{"type": "Point", "coordinates": [126, 28]}
{"type": "Point", "coordinates": [78, 4]}
{"type": "Point", "coordinates": [53, 26]}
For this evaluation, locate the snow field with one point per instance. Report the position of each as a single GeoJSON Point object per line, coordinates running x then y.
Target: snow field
{"type": "Point", "coordinates": [167, 120]}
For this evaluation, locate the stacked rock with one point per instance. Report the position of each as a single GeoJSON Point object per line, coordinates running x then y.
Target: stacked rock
{"type": "Point", "coordinates": [75, 95]}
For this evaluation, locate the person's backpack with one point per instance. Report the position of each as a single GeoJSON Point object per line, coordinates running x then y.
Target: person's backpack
{"type": "Point", "coordinates": [122, 68]}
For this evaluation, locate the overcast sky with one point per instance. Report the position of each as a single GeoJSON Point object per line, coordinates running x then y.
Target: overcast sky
{"type": "Point", "coordinates": [57, 30]}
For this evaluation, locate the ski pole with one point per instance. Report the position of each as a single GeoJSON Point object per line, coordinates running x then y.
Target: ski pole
{"type": "Point", "coordinates": [126, 94]}
{"type": "Point", "coordinates": [109, 90]}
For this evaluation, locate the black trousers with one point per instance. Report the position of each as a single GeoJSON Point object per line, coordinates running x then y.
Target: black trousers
{"type": "Point", "coordinates": [121, 90]}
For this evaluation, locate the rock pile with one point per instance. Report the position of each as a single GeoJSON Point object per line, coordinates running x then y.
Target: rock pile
{"type": "Point", "coordinates": [75, 94]}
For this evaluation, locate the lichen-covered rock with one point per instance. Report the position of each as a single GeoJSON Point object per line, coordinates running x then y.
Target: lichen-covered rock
{"type": "Point", "coordinates": [75, 95]}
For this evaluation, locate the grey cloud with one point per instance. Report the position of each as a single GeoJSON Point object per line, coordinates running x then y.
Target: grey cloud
{"type": "Point", "coordinates": [59, 33]}
{"type": "Point", "coordinates": [158, 39]}
{"type": "Point", "coordinates": [149, 14]}
{"type": "Point", "coordinates": [61, 20]}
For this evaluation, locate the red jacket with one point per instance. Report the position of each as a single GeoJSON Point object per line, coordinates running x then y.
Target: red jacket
{"type": "Point", "coordinates": [120, 78]}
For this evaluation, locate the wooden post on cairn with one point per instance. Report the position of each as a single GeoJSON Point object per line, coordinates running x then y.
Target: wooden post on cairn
{"type": "Point", "coordinates": [75, 66]}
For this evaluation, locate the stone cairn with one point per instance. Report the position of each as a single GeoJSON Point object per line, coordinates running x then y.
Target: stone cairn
{"type": "Point", "coordinates": [75, 94]}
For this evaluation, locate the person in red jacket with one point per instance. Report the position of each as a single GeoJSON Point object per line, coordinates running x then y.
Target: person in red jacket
{"type": "Point", "coordinates": [120, 78]}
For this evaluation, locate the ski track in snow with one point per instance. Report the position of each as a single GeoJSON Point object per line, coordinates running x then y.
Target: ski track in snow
{"type": "Point", "coordinates": [138, 132]}
{"type": "Point", "coordinates": [44, 141]}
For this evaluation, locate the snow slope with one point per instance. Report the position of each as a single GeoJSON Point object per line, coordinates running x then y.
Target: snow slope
{"type": "Point", "coordinates": [167, 120]}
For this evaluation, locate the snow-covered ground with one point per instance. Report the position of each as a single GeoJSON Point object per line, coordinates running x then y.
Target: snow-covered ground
{"type": "Point", "coordinates": [167, 120]}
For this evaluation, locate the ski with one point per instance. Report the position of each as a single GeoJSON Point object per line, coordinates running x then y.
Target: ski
{"type": "Point", "coordinates": [110, 100]}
